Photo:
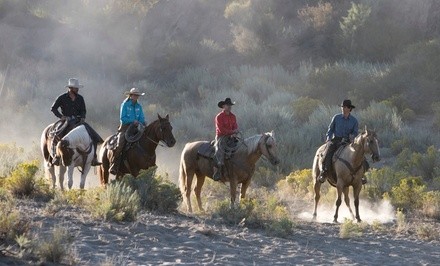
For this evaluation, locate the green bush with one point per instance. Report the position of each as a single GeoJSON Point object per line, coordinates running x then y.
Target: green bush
{"type": "Point", "coordinates": [427, 232]}
{"type": "Point", "coordinates": [10, 157]}
{"type": "Point", "coordinates": [431, 204]}
{"type": "Point", "coordinates": [420, 164]}
{"type": "Point", "coordinates": [54, 248]}
{"type": "Point", "coordinates": [350, 229]}
{"type": "Point", "coordinates": [263, 212]}
{"type": "Point", "coordinates": [156, 193]}
{"type": "Point", "coordinates": [22, 181]}
{"type": "Point", "coordinates": [12, 222]}
{"type": "Point", "coordinates": [118, 202]}
{"type": "Point", "coordinates": [381, 181]}
{"type": "Point", "coordinates": [300, 183]}
{"type": "Point", "coordinates": [408, 194]}
{"type": "Point", "coordinates": [303, 107]}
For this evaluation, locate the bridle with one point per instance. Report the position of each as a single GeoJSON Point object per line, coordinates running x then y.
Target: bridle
{"type": "Point", "coordinates": [161, 123]}
{"type": "Point", "coordinates": [271, 156]}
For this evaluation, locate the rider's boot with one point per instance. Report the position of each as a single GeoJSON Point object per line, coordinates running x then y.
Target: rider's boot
{"type": "Point", "coordinates": [217, 173]}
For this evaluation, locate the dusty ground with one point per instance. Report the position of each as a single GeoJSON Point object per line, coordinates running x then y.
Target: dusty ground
{"type": "Point", "coordinates": [183, 240]}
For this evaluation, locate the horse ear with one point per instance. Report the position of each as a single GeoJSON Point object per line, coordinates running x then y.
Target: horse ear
{"type": "Point", "coordinates": [366, 129]}
{"type": "Point", "coordinates": [272, 133]}
{"type": "Point", "coordinates": [167, 116]}
{"type": "Point", "coordinates": [158, 116]}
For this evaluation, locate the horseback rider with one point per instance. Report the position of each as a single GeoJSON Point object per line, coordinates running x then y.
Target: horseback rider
{"type": "Point", "coordinates": [225, 127]}
{"type": "Point", "coordinates": [342, 129]}
{"type": "Point", "coordinates": [130, 113]}
{"type": "Point", "coordinates": [73, 112]}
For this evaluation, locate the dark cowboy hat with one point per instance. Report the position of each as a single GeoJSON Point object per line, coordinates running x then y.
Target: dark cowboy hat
{"type": "Point", "coordinates": [227, 101]}
{"type": "Point", "coordinates": [347, 103]}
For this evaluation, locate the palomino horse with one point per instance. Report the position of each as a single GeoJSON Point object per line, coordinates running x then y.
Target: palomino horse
{"type": "Point", "coordinates": [75, 150]}
{"type": "Point", "coordinates": [239, 169]}
{"type": "Point", "coordinates": [348, 166]}
{"type": "Point", "coordinates": [141, 154]}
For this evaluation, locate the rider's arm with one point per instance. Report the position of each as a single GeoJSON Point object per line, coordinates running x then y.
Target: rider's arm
{"type": "Point", "coordinates": [331, 129]}
{"type": "Point", "coordinates": [123, 114]}
{"type": "Point", "coordinates": [55, 107]}
{"type": "Point", "coordinates": [82, 108]}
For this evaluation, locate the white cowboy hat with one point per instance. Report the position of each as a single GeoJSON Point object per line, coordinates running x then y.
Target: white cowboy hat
{"type": "Point", "coordinates": [73, 83]}
{"type": "Point", "coordinates": [134, 91]}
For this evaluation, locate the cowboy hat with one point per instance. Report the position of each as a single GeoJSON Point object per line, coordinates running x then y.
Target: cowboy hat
{"type": "Point", "coordinates": [134, 91]}
{"type": "Point", "coordinates": [73, 83]}
{"type": "Point", "coordinates": [347, 103]}
{"type": "Point", "coordinates": [227, 101]}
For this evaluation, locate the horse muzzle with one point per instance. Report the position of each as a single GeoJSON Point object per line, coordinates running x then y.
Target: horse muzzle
{"type": "Point", "coordinates": [171, 143]}
{"type": "Point", "coordinates": [375, 158]}
{"type": "Point", "coordinates": [274, 161]}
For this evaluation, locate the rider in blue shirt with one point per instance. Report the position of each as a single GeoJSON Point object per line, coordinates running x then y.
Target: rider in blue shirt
{"type": "Point", "coordinates": [343, 128]}
{"type": "Point", "coordinates": [130, 113]}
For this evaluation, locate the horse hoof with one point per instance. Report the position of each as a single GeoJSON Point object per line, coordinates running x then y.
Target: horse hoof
{"type": "Point", "coordinates": [335, 221]}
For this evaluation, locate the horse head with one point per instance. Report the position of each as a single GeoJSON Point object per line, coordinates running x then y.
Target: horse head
{"type": "Point", "coordinates": [268, 147]}
{"type": "Point", "coordinates": [368, 139]}
{"type": "Point", "coordinates": [64, 152]}
{"type": "Point", "coordinates": [164, 130]}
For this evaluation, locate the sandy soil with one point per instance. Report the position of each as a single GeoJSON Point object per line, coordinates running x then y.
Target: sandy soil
{"type": "Point", "coordinates": [183, 240]}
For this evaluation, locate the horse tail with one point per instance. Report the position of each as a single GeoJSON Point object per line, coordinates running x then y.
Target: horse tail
{"type": "Point", "coordinates": [182, 174]}
{"type": "Point", "coordinates": [103, 169]}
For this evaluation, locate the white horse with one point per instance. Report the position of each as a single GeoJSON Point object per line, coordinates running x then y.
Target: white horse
{"type": "Point", "coordinates": [75, 150]}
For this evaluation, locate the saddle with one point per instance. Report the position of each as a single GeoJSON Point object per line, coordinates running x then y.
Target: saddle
{"type": "Point", "coordinates": [332, 174]}
{"type": "Point", "coordinates": [132, 135]}
{"type": "Point", "coordinates": [207, 149]}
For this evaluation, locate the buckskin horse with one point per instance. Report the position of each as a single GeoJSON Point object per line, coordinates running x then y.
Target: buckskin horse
{"type": "Point", "coordinates": [140, 154]}
{"type": "Point", "coordinates": [75, 150]}
{"type": "Point", "coordinates": [348, 165]}
{"type": "Point", "coordinates": [239, 168]}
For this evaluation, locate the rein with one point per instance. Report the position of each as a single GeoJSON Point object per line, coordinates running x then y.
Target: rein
{"type": "Point", "coordinates": [84, 155]}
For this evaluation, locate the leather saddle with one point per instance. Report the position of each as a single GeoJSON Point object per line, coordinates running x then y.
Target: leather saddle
{"type": "Point", "coordinates": [207, 149]}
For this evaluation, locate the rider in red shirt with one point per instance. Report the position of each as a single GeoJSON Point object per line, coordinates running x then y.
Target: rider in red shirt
{"type": "Point", "coordinates": [225, 127]}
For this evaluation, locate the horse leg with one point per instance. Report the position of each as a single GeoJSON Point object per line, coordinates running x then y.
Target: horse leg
{"type": "Point", "coordinates": [244, 187]}
{"type": "Point", "coordinates": [84, 176]}
{"type": "Point", "coordinates": [51, 172]}
{"type": "Point", "coordinates": [233, 188]}
{"type": "Point", "coordinates": [356, 192]}
{"type": "Point", "coordinates": [338, 203]}
{"type": "Point", "coordinates": [347, 201]}
{"type": "Point", "coordinates": [70, 176]}
{"type": "Point", "coordinates": [198, 190]}
{"type": "Point", "coordinates": [62, 171]}
{"type": "Point", "coordinates": [317, 189]}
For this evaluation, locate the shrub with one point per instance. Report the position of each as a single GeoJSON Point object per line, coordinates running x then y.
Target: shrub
{"type": "Point", "coordinates": [409, 115]}
{"type": "Point", "coordinates": [427, 232]}
{"type": "Point", "coordinates": [54, 248]}
{"type": "Point", "coordinates": [118, 202]}
{"type": "Point", "coordinates": [22, 181]}
{"type": "Point", "coordinates": [402, 224]}
{"type": "Point", "coordinates": [431, 204]}
{"type": "Point", "coordinates": [300, 183]}
{"type": "Point", "coordinates": [303, 108]}
{"type": "Point", "coordinates": [10, 157]}
{"type": "Point", "coordinates": [265, 212]}
{"type": "Point", "coordinates": [156, 193]}
{"type": "Point", "coordinates": [382, 180]}
{"type": "Point", "coordinates": [350, 229]}
{"type": "Point", "coordinates": [12, 223]}
{"type": "Point", "coordinates": [408, 194]}
{"type": "Point", "coordinates": [264, 177]}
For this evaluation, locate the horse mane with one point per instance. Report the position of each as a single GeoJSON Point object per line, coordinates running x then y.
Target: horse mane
{"type": "Point", "coordinates": [252, 142]}
{"type": "Point", "coordinates": [77, 136]}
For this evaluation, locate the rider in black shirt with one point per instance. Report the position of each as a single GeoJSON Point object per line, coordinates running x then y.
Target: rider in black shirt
{"type": "Point", "coordinates": [73, 110]}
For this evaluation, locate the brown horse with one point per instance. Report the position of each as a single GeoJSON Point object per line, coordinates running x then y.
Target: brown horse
{"type": "Point", "coordinates": [348, 165]}
{"type": "Point", "coordinates": [239, 169]}
{"type": "Point", "coordinates": [142, 154]}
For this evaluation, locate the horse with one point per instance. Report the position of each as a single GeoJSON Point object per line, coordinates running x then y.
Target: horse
{"type": "Point", "coordinates": [239, 168]}
{"type": "Point", "coordinates": [141, 154]}
{"type": "Point", "coordinates": [348, 165]}
{"type": "Point", "coordinates": [75, 150]}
